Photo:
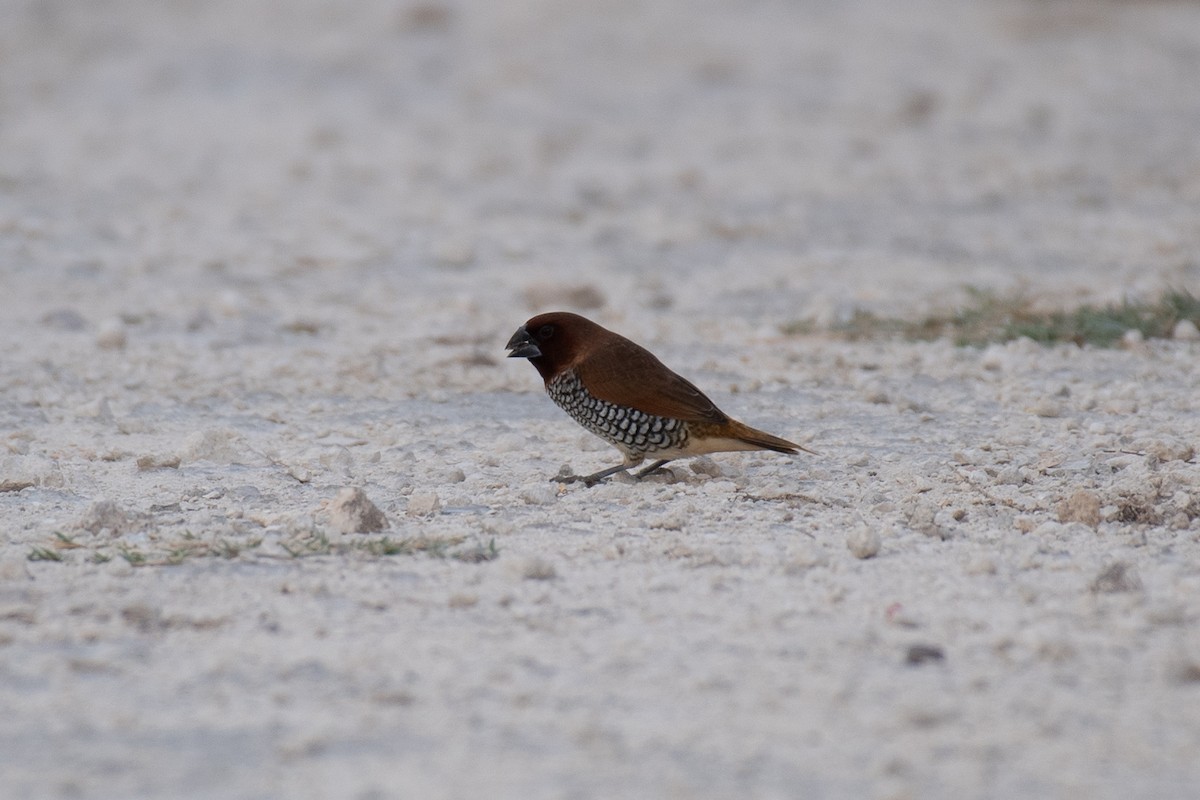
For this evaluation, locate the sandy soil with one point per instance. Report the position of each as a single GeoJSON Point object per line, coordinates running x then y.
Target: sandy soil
{"type": "Point", "coordinates": [256, 253]}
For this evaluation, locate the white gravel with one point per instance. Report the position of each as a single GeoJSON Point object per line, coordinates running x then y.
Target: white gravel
{"type": "Point", "coordinates": [257, 257]}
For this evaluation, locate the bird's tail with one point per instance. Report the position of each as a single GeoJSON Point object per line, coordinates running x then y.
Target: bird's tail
{"type": "Point", "coordinates": [765, 441]}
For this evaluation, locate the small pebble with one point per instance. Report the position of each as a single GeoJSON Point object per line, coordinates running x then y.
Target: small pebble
{"type": "Point", "coordinates": [864, 542]}
{"type": "Point", "coordinates": [1047, 407]}
{"type": "Point", "coordinates": [353, 512]}
{"type": "Point", "coordinates": [923, 654]}
{"type": "Point", "coordinates": [219, 445]}
{"type": "Point", "coordinates": [537, 569]}
{"type": "Point", "coordinates": [1170, 449]}
{"type": "Point", "coordinates": [423, 504]}
{"type": "Point", "coordinates": [301, 474]}
{"type": "Point", "coordinates": [1117, 577]}
{"type": "Point", "coordinates": [1185, 330]}
{"type": "Point", "coordinates": [1082, 506]}
{"type": "Point", "coordinates": [105, 515]}
{"type": "Point", "coordinates": [673, 520]}
{"type": "Point", "coordinates": [1010, 476]}
{"type": "Point", "coordinates": [922, 518]}
{"type": "Point", "coordinates": [1132, 339]}
{"type": "Point", "coordinates": [539, 494]}
{"type": "Point", "coordinates": [994, 357]}
{"type": "Point", "coordinates": [110, 335]}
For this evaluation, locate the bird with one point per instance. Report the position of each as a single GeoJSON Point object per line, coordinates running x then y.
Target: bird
{"type": "Point", "coordinates": [619, 391]}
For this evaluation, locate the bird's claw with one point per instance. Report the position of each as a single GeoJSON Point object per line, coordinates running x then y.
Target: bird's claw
{"type": "Point", "coordinates": [586, 480]}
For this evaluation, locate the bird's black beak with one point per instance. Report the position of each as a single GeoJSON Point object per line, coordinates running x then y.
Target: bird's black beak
{"type": "Point", "coordinates": [522, 346]}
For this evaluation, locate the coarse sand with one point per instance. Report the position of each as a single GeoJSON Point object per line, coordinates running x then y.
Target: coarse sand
{"type": "Point", "coordinates": [277, 514]}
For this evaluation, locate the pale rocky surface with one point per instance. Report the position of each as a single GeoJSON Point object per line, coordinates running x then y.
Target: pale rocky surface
{"type": "Point", "coordinates": [254, 254]}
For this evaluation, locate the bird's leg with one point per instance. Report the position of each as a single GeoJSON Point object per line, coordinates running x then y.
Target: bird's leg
{"type": "Point", "coordinates": [650, 470]}
{"type": "Point", "coordinates": [594, 478]}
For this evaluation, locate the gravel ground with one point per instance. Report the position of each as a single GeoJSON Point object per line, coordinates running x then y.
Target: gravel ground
{"type": "Point", "coordinates": [257, 256]}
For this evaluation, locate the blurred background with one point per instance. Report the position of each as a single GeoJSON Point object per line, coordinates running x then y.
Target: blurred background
{"type": "Point", "coordinates": [772, 161]}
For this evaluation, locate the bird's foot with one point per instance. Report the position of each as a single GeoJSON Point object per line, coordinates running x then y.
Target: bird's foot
{"type": "Point", "coordinates": [564, 475]}
{"type": "Point", "coordinates": [586, 480]}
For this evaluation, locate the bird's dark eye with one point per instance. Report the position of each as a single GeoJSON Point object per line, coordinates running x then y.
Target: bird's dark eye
{"type": "Point", "coordinates": [545, 332]}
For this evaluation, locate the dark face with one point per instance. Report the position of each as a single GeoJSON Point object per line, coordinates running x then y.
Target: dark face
{"type": "Point", "coordinates": [548, 341]}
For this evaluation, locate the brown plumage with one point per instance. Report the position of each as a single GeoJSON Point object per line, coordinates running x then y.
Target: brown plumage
{"type": "Point", "coordinates": [619, 391]}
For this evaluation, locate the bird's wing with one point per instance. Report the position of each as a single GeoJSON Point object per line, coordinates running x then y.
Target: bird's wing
{"type": "Point", "coordinates": [627, 374]}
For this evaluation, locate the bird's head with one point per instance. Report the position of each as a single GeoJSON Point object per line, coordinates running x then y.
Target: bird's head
{"type": "Point", "coordinates": [554, 341]}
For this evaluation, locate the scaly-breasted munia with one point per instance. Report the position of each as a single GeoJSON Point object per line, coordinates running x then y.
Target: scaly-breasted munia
{"type": "Point", "coordinates": [619, 391]}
